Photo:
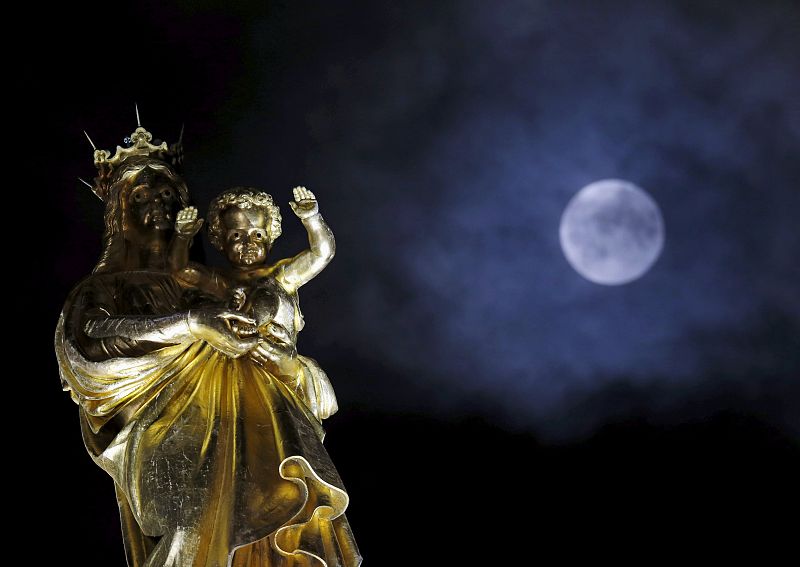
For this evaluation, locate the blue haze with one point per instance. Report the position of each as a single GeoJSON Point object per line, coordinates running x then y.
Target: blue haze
{"type": "Point", "coordinates": [444, 140]}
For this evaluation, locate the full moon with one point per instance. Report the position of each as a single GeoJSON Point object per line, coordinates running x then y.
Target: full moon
{"type": "Point", "coordinates": [611, 232]}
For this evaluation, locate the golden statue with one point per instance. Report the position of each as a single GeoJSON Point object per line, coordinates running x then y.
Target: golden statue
{"type": "Point", "coordinates": [191, 393]}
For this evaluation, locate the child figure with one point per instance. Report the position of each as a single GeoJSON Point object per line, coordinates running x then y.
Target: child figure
{"type": "Point", "coordinates": [243, 224]}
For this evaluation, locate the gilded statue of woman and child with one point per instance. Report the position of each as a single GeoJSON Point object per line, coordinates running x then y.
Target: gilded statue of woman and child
{"type": "Point", "coordinates": [191, 391]}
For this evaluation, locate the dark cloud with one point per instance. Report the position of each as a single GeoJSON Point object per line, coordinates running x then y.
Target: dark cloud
{"type": "Point", "coordinates": [449, 147]}
{"type": "Point", "coordinates": [444, 141]}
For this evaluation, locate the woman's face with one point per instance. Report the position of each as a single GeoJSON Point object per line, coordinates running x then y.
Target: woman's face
{"type": "Point", "coordinates": [152, 201]}
{"type": "Point", "coordinates": [246, 237]}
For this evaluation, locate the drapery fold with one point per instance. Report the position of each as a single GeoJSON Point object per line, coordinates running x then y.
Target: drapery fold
{"type": "Point", "coordinates": [217, 462]}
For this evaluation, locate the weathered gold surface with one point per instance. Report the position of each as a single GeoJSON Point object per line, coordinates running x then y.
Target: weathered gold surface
{"type": "Point", "coordinates": [191, 392]}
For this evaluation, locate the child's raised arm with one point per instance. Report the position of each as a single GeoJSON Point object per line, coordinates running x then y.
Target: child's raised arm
{"type": "Point", "coordinates": [306, 265]}
{"type": "Point", "coordinates": [187, 225]}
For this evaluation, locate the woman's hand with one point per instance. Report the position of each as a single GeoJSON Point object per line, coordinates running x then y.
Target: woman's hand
{"type": "Point", "coordinates": [217, 326]}
{"type": "Point", "coordinates": [280, 358]}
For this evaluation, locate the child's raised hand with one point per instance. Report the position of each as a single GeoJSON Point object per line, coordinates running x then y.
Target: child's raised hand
{"type": "Point", "coordinates": [305, 204]}
{"type": "Point", "coordinates": [186, 223]}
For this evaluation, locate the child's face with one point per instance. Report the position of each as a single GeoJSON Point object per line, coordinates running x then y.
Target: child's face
{"type": "Point", "coordinates": [246, 236]}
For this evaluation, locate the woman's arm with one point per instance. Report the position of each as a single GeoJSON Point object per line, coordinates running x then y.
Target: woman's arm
{"type": "Point", "coordinates": [168, 329]}
{"type": "Point", "coordinates": [211, 324]}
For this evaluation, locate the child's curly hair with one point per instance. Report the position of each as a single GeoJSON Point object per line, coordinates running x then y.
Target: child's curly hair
{"type": "Point", "coordinates": [243, 198]}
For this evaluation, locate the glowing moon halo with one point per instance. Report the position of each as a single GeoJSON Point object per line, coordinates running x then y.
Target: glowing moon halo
{"type": "Point", "coordinates": [611, 232]}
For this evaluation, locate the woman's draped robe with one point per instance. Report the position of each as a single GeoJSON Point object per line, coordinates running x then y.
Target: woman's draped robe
{"type": "Point", "coordinates": [210, 455]}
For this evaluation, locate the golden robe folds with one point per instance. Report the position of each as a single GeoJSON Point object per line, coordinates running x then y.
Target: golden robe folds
{"type": "Point", "coordinates": [216, 461]}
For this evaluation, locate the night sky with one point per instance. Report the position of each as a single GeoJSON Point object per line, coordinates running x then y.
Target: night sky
{"type": "Point", "coordinates": [482, 382]}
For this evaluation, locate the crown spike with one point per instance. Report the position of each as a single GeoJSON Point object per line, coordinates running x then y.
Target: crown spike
{"type": "Point", "coordinates": [92, 187]}
{"type": "Point", "coordinates": [180, 138]}
{"type": "Point", "coordinates": [138, 122]}
{"type": "Point", "coordinates": [137, 144]}
{"type": "Point", "coordinates": [90, 140]}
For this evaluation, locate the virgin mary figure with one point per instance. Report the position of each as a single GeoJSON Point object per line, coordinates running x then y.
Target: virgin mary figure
{"type": "Point", "coordinates": [215, 461]}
